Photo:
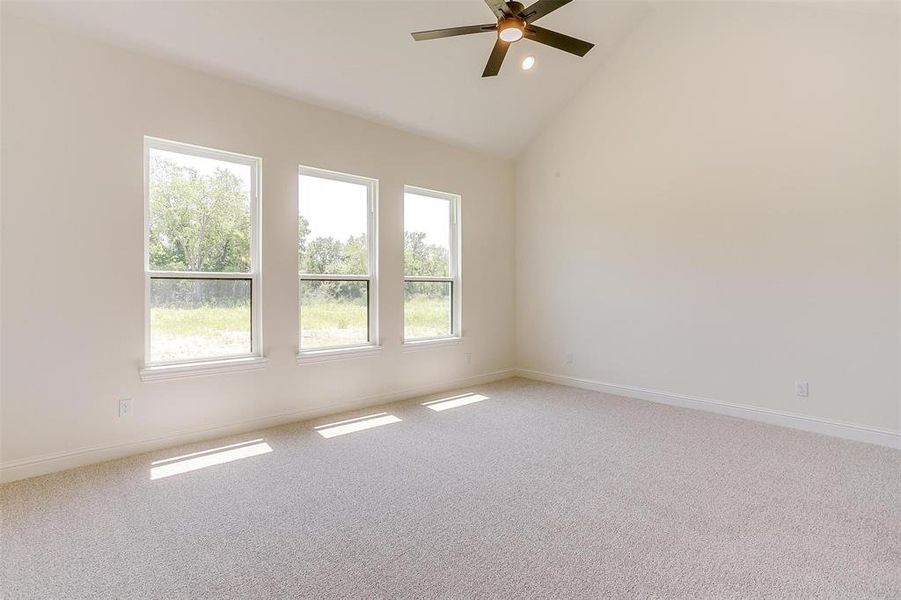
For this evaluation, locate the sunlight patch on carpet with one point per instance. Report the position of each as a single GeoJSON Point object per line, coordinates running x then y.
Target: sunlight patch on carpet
{"type": "Point", "coordinates": [207, 458]}
{"type": "Point", "coordinates": [454, 401]}
{"type": "Point", "coordinates": [330, 430]}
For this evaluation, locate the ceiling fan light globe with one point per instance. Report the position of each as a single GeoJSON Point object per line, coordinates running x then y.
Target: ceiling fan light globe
{"type": "Point", "coordinates": [510, 30]}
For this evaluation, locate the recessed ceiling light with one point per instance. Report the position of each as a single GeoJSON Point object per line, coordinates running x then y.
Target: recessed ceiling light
{"type": "Point", "coordinates": [528, 62]}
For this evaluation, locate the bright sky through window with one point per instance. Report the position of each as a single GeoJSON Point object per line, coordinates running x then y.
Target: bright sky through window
{"type": "Point", "coordinates": [429, 215]}
{"type": "Point", "coordinates": [205, 166]}
{"type": "Point", "coordinates": [335, 209]}
{"type": "Point", "coordinates": [336, 217]}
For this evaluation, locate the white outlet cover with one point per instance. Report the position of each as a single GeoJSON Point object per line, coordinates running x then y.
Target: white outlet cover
{"type": "Point", "coordinates": [802, 389]}
{"type": "Point", "coordinates": [124, 407]}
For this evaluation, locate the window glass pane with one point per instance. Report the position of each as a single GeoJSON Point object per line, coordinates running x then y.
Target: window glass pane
{"type": "Point", "coordinates": [332, 227]}
{"type": "Point", "coordinates": [427, 309]}
{"type": "Point", "coordinates": [199, 318]}
{"type": "Point", "coordinates": [427, 226]}
{"type": "Point", "coordinates": [333, 313]}
{"type": "Point", "coordinates": [199, 213]}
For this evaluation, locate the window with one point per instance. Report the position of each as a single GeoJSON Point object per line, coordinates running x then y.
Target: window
{"type": "Point", "coordinates": [336, 254]}
{"type": "Point", "coordinates": [431, 265]}
{"type": "Point", "coordinates": [202, 259]}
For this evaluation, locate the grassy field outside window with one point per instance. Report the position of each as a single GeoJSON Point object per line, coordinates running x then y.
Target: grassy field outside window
{"type": "Point", "coordinates": [207, 330]}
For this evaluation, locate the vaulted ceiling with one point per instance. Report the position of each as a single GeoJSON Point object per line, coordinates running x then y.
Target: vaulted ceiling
{"type": "Point", "coordinates": [358, 57]}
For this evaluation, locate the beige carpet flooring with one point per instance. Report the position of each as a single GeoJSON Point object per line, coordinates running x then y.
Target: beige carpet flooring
{"type": "Point", "coordinates": [536, 491]}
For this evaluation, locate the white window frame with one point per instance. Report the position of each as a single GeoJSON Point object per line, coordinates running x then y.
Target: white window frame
{"type": "Point", "coordinates": [177, 369]}
{"type": "Point", "coordinates": [454, 276]}
{"type": "Point", "coordinates": [319, 354]}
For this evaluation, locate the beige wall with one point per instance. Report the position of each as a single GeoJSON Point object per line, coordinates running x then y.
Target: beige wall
{"type": "Point", "coordinates": [717, 214]}
{"type": "Point", "coordinates": [74, 114]}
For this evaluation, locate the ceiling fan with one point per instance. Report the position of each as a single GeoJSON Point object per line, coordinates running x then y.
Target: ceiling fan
{"type": "Point", "coordinates": [514, 22]}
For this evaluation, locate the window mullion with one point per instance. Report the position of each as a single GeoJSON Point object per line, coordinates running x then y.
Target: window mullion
{"type": "Point", "coordinates": [330, 277]}
{"type": "Point", "coordinates": [199, 275]}
{"type": "Point", "coordinates": [427, 279]}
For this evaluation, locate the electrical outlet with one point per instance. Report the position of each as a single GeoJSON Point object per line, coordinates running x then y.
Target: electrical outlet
{"type": "Point", "coordinates": [469, 358]}
{"type": "Point", "coordinates": [569, 358]}
{"type": "Point", "coordinates": [802, 389]}
{"type": "Point", "coordinates": [125, 407]}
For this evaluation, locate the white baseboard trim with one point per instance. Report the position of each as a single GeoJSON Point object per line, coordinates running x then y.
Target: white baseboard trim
{"type": "Point", "coordinates": [841, 429]}
{"type": "Point", "coordinates": [69, 459]}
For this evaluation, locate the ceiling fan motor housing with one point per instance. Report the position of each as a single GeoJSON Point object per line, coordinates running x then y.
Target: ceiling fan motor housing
{"type": "Point", "coordinates": [515, 7]}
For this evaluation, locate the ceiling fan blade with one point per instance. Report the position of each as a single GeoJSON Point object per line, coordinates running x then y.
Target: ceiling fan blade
{"type": "Point", "coordinates": [557, 40]}
{"type": "Point", "coordinates": [499, 8]}
{"type": "Point", "coordinates": [541, 8]}
{"type": "Point", "coordinates": [496, 59]}
{"type": "Point", "coordinates": [435, 34]}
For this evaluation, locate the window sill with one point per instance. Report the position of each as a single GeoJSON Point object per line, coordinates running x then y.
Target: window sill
{"type": "Point", "coordinates": [214, 367]}
{"type": "Point", "coordinates": [428, 344]}
{"type": "Point", "coordinates": [319, 356]}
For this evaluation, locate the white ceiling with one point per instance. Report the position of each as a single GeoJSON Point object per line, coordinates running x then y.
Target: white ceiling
{"type": "Point", "coordinates": [358, 56]}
